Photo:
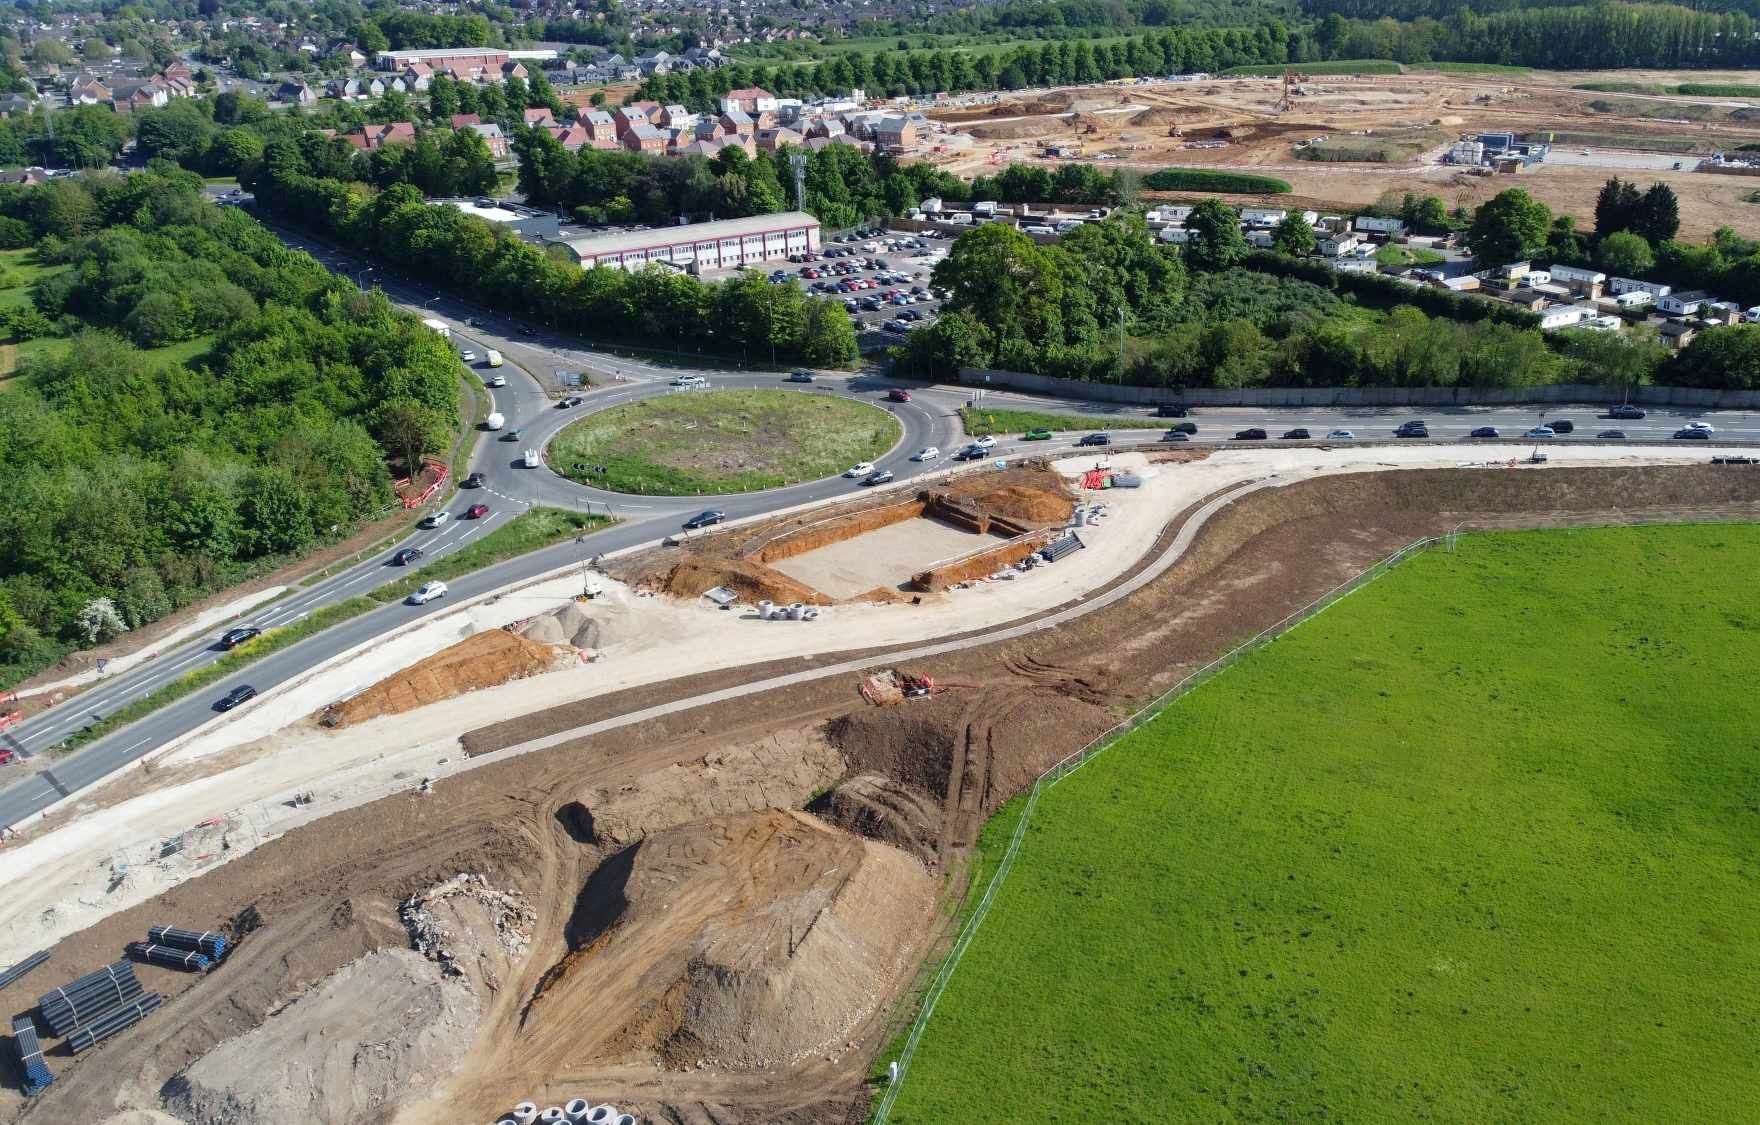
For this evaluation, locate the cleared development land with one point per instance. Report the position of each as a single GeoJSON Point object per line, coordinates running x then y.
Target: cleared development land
{"type": "Point", "coordinates": [1473, 845]}
{"type": "Point", "coordinates": [706, 442]}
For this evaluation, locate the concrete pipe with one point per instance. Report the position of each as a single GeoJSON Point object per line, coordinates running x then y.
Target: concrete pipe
{"type": "Point", "coordinates": [764, 609]}
{"type": "Point", "coordinates": [552, 1115]}
{"type": "Point", "coordinates": [602, 1115]}
{"type": "Point", "coordinates": [577, 1109]}
{"type": "Point", "coordinates": [507, 1121]}
{"type": "Point", "coordinates": [626, 1119]}
{"type": "Point", "coordinates": [525, 1113]}
{"type": "Point", "coordinates": [795, 610]}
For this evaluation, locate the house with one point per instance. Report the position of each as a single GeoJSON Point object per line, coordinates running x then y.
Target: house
{"type": "Point", "coordinates": [1684, 303]}
{"type": "Point", "coordinates": [628, 117]}
{"type": "Point", "coordinates": [1465, 283]}
{"type": "Point", "coordinates": [675, 117]}
{"type": "Point", "coordinates": [572, 136]}
{"type": "Point", "coordinates": [460, 120]}
{"type": "Point", "coordinates": [493, 137]}
{"type": "Point", "coordinates": [1262, 218]}
{"type": "Point", "coordinates": [13, 105]}
{"type": "Point", "coordinates": [1623, 285]}
{"type": "Point", "coordinates": [1338, 245]}
{"type": "Point", "coordinates": [769, 140]}
{"type": "Point", "coordinates": [539, 115]}
{"type": "Point", "coordinates": [896, 133]}
{"type": "Point", "coordinates": [29, 177]}
{"type": "Point", "coordinates": [1677, 334]}
{"type": "Point", "coordinates": [1375, 224]}
{"type": "Point", "coordinates": [1720, 312]}
{"type": "Point", "coordinates": [1587, 283]}
{"type": "Point", "coordinates": [369, 138]}
{"type": "Point", "coordinates": [657, 63]}
{"type": "Point", "coordinates": [709, 129]}
{"type": "Point", "coordinates": [344, 88]}
{"type": "Point", "coordinates": [600, 126]}
{"type": "Point", "coordinates": [396, 84]}
{"type": "Point", "coordinates": [1510, 272]}
{"type": "Point", "coordinates": [1634, 299]}
{"type": "Point", "coordinates": [814, 144]}
{"type": "Point", "coordinates": [642, 137]}
{"type": "Point", "coordinates": [1553, 317]}
{"type": "Point", "coordinates": [89, 91]}
{"type": "Point", "coordinates": [295, 93]}
{"type": "Point", "coordinates": [826, 128]}
{"type": "Point", "coordinates": [751, 100]}
{"type": "Point", "coordinates": [736, 121]}
{"type": "Point", "coordinates": [349, 53]}
{"type": "Point", "coordinates": [1526, 298]}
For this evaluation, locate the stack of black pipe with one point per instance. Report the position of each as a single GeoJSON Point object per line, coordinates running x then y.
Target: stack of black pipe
{"type": "Point", "coordinates": [7, 976]}
{"type": "Point", "coordinates": [89, 1035]}
{"type": "Point", "coordinates": [30, 1056]}
{"type": "Point", "coordinates": [171, 957]}
{"type": "Point", "coordinates": [1061, 547]}
{"type": "Point", "coordinates": [76, 1004]}
{"type": "Point", "coordinates": [211, 943]}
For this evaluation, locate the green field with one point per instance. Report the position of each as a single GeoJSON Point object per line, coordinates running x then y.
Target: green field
{"type": "Point", "coordinates": [1476, 844]}
{"type": "Point", "coordinates": [1689, 89]}
{"type": "Point", "coordinates": [711, 442]}
{"type": "Point", "coordinates": [19, 270]}
{"type": "Point", "coordinates": [1399, 257]}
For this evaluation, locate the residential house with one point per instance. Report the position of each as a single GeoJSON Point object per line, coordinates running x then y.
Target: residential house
{"type": "Point", "coordinates": [540, 115]}
{"type": "Point", "coordinates": [1684, 303]}
{"type": "Point", "coordinates": [493, 137]}
{"type": "Point", "coordinates": [1375, 224]}
{"type": "Point", "coordinates": [658, 62]}
{"type": "Point", "coordinates": [15, 105]}
{"type": "Point", "coordinates": [709, 129]}
{"type": "Point", "coordinates": [1465, 283]}
{"type": "Point", "coordinates": [769, 140]}
{"type": "Point", "coordinates": [751, 100]}
{"type": "Point", "coordinates": [601, 127]}
{"type": "Point", "coordinates": [350, 53]}
{"type": "Point", "coordinates": [825, 127]}
{"type": "Point", "coordinates": [1339, 244]}
{"type": "Point", "coordinates": [675, 117]}
{"type": "Point", "coordinates": [1526, 298]}
{"type": "Point", "coordinates": [146, 95]}
{"type": "Point", "coordinates": [514, 69]}
{"type": "Point", "coordinates": [1587, 283]}
{"type": "Point", "coordinates": [345, 88]}
{"type": "Point", "coordinates": [296, 92]}
{"type": "Point", "coordinates": [1553, 317]}
{"type": "Point", "coordinates": [572, 136]}
{"type": "Point", "coordinates": [89, 91]}
{"type": "Point", "coordinates": [460, 120]}
{"type": "Point", "coordinates": [814, 144]}
{"type": "Point", "coordinates": [643, 137]}
{"type": "Point", "coordinates": [1623, 285]}
{"type": "Point", "coordinates": [896, 134]}
{"type": "Point", "coordinates": [1677, 334]}
{"type": "Point", "coordinates": [736, 121]}
{"type": "Point", "coordinates": [1262, 218]}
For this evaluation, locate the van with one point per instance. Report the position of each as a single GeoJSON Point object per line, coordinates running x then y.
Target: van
{"type": "Point", "coordinates": [495, 421]}
{"type": "Point", "coordinates": [960, 220]}
{"type": "Point", "coordinates": [492, 358]}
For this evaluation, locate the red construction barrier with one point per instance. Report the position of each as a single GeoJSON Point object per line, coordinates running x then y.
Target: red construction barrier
{"type": "Point", "coordinates": [440, 471]}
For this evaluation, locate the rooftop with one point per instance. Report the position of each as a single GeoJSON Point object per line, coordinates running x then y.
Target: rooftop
{"type": "Point", "coordinates": [618, 241]}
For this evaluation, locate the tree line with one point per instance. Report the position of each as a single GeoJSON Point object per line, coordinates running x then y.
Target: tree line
{"type": "Point", "coordinates": [138, 485]}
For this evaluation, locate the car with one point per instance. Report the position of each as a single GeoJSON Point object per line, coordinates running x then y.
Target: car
{"type": "Point", "coordinates": [985, 442]}
{"type": "Point", "coordinates": [1690, 434]}
{"type": "Point", "coordinates": [1190, 429]}
{"type": "Point", "coordinates": [570, 402]}
{"type": "Point", "coordinates": [1541, 432]}
{"type": "Point", "coordinates": [1413, 430]}
{"type": "Point", "coordinates": [1561, 426]}
{"type": "Point", "coordinates": [434, 519]}
{"type": "Point", "coordinates": [879, 476]}
{"type": "Point", "coordinates": [1036, 435]}
{"type": "Point", "coordinates": [1252, 434]}
{"type": "Point", "coordinates": [511, 435]}
{"type": "Point", "coordinates": [689, 381]}
{"type": "Point", "coordinates": [1300, 433]}
{"type": "Point", "coordinates": [1625, 411]}
{"type": "Point", "coordinates": [1704, 427]}
{"type": "Point", "coordinates": [859, 469]}
{"type": "Point", "coordinates": [1484, 432]}
{"type": "Point", "coordinates": [927, 453]}
{"type": "Point", "coordinates": [898, 394]}
{"type": "Point", "coordinates": [1612, 435]}
{"type": "Point", "coordinates": [910, 316]}
{"type": "Point", "coordinates": [1176, 435]}
{"type": "Point", "coordinates": [475, 480]}
{"type": "Point", "coordinates": [406, 556]}
{"type": "Point", "coordinates": [467, 356]}
{"type": "Point", "coordinates": [704, 519]}
{"type": "Point", "coordinates": [232, 638]}
{"type": "Point", "coordinates": [427, 593]}
{"type": "Point", "coordinates": [1170, 410]}
{"type": "Point", "coordinates": [234, 697]}
{"type": "Point", "coordinates": [476, 511]}
{"type": "Point", "coordinates": [972, 452]}
{"type": "Point", "coordinates": [800, 376]}
{"type": "Point", "coordinates": [1101, 438]}
{"type": "Point", "coordinates": [1340, 435]}
{"type": "Point", "coordinates": [497, 381]}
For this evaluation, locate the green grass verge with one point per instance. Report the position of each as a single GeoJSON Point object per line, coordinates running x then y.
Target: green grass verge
{"type": "Point", "coordinates": [530, 530]}
{"type": "Point", "coordinates": [272, 640]}
{"type": "Point", "coordinates": [1476, 844]}
{"type": "Point", "coordinates": [982, 420]}
{"type": "Point", "coordinates": [1205, 179]}
{"type": "Point", "coordinates": [1469, 68]}
{"type": "Point", "coordinates": [1342, 66]}
{"type": "Point", "coordinates": [1686, 89]}
{"type": "Point", "coordinates": [711, 442]}
{"type": "Point", "coordinates": [1620, 140]}
{"type": "Point", "coordinates": [1399, 257]}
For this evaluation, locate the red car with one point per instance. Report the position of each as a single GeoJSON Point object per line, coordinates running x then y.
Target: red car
{"type": "Point", "coordinates": [476, 511]}
{"type": "Point", "coordinates": [898, 394]}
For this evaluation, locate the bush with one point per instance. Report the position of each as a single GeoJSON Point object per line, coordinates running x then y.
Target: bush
{"type": "Point", "coordinates": [1203, 179]}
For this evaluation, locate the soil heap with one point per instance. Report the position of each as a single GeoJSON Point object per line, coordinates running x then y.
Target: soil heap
{"type": "Point", "coordinates": [483, 660]}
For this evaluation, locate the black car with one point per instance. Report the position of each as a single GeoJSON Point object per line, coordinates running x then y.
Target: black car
{"type": "Point", "coordinates": [570, 402]}
{"type": "Point", "coordinates": [1625, 412]}
{"type": "Point", "coordinates": [1413, 430]}
{"type": "Point", "coordinates": [1254, 434]}
{"type": "Point", "coordinates": [969, 453]}
{"type": "Point", "coordinates": [800, 376]}
{"type": "Point", "coordinates": [234, 697]}
{"type": "Point", "coordinates": [1484, 431]}
{"type": "Point", "coordinates": [1170, 410]}
{"type": "Point", "coordinates": [232, 638]}
{"type": "Point", "coordinates": [1300, 433]}
{"type": "Point", "coordinates": [1095, 439]}
{"type": "Point", "coordinates": [1612, 435]}
{"type": "Point", "coordinates": [475, 480]}
{"type": "Point", "coordinates": [1187, 428]}
{"type": "Point", "coordinates": [406, 556]}
{"type": "Point", "coordinates": [1690, 434]}
{"type": "Point", "coordinates": [1562, 426]}
{"type": "Point", "coordinates": [704, 519]}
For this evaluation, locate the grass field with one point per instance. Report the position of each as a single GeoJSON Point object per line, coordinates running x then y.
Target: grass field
{"type": "Point", "coordinates": [1476, 844]}
{"type": "Point", "coordinates": [712, 442]}
{"type": "Point", "coordinates": [1399, 257]}
{"type": "Point", "coordinates": [19, 270]}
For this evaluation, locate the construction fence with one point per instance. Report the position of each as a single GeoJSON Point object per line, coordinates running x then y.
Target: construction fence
{"type": "Point", "coordinates": [1072, 763]}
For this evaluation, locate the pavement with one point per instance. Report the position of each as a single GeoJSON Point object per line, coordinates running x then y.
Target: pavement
{"type": "Point", "coordinates": [535, 367]}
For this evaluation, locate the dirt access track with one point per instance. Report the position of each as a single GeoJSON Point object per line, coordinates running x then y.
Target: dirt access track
{"type": "Point", "coordinates": [714, 916]}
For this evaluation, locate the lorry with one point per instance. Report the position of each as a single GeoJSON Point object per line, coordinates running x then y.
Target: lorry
{"type": "Point", "coordinates": [492, 358]}
{"type": "Point", "coordinates": [439, 326]}
{"type": "Point", "coordinates": [495, 421]}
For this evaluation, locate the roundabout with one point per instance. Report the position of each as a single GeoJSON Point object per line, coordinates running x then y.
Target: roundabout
{"type": "Point", "coordinates": [721, 441]}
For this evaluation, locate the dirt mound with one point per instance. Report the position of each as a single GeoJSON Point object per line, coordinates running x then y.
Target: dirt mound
{"type": "Point", "coordinates": [884, 809]}
{"type": "Point", "coordinates": [479, 661]}
{"type": "Point", "coordinates": [751, 581]}
{"type": "Point", "coordinates": [781, 772]}
{"type": "Point", "coordinates": [1160, 116]}
{"type": "Point", "coordinates": [1017, 130]}
{"type": "Point", "coordinates": [742, 942]}
{"type": "Point", "coordinates": [1028, 504]}
{"type": "Point", "coordinates": [378, 1030]}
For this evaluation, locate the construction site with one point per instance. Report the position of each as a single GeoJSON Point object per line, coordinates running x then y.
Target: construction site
{"type": "Point", "coordinates": [1344, 142]}
{"type": "Point", "coordinates": [625, 844]}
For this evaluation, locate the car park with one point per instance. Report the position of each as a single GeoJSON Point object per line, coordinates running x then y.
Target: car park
{"type": "Point", "coordinates": [476, 511]}
{"type": "Point", "coordinates": [497, 381]}
{"type": "Point", "coordinates": [1100, 438]}
{"type": "Point", "coordinates": [1688, 433]}
{"type": "Point", "coordinates": [1484, 432]}
{"type": "Point", "coordinates": [427, 593]}
{"type": "Point", "coordinates": [1036, 435]}
{"type": "Point", "coordinates": [1611, 435]}
{"type": "Point", "coordinates": [406, 556]}
{"type": "Point", "coordinates": [704, 519]}
{"type": "Point", "coordinates": [1252, 434]}
{"type": "Point", "coordinates": [859, 469]}
{"type": "Point", "coordinates": [434, 519]}
{"type": "Point", "coordinates": [1340, 435]}
{"type": "Point", "coordinates": [1625, 411]}
{"type": "Point", "coordinates": [234, 697]}
{"type": "Point", "coordinates": [878, 476]}
{"type": "Point", "coordinates": [232, 638]}
{"type": "Point", "coordinates": [1298, 434]}
{"type": "Point", "coordinates": [800, 376]}
{"type": "Point", "coordinates": [1541, 432]}
{"type": "Point", "coordinates": [475, 480]}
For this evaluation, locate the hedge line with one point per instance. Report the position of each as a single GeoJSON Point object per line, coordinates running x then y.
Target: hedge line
{"type": "Point", "coordinates": [1203, 179]}
{"type": "Point", "coordinates": [1380, 291]}
{"type": "Point", "coordinates": [1342, 66]}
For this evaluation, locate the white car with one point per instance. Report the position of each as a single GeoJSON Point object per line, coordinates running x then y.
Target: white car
{"type": "Point", "coordinates": [498, 381]}
{"type": "Point", "coordinates": [690, 381]}
{"type": "Point", "coordinates": [860, 469]}
{"type": "Point", "coordinates": [428, 592]}
{"type": "Point", "coordinates": [1706, 426]}
{"type": "Point", "coordinates": [434, 519]}
{"type": "Point", "coordinates": [986, 442]}
{"type": "Point", "coordinates": [1541, 432]}
{"type": "Point", "coordinates": [927, 453]}
{"type": "Point", "coordinates": [467, 356]}
{"type": "Point", "coordinates": [1340, 435]}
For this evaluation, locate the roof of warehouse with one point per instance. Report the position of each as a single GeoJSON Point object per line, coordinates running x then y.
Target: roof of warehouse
{"type": "Point", "coordinates": [596, 244]}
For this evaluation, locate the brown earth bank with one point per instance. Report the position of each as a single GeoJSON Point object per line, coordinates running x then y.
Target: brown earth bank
{"type": "Point", "coordinates": [700, 949]}
{"type": "Point", "coordinates": [482, 660]}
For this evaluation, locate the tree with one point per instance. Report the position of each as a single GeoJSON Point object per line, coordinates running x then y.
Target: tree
{"type": "Point", "coordinates": [1509, 227]}
{"type": "Point", "coordinates": [1625, 253]}
{"type": "Point", "coordinates": [1214, 240]}
{"type": "Point", "coordinates": [1658, 215]}
{"type": "Point", "coordinates": [1719, 358]}
{"type": "Point", "coordinates": [1293, 236]}
{"type": "Point", "coordinates": [99, 621]}
{"type": "Point", "coordinates": [1425, 213]}
{"type": "Point", "coordinates": [1611, 359]}
{"type": "Point", "coordinates": [51, 52]}
{"type": "Point", "coordinates": [1615, 207]}
{"type": "Point", "coordinates": [828, 338]}
{"type": "Point", "coordinates": [1006, 281]}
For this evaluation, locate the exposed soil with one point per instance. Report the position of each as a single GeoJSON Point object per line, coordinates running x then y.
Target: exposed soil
{"type": "Point", "coordinates": [482, 660]}
{"type": "Point", "coordinates": [659, 975]}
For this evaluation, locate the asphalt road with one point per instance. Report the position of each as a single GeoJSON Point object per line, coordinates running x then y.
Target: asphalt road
{"type": "Point", "coordinates": [529, 403]}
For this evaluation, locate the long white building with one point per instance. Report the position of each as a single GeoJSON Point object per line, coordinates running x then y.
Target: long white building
{"type": "Point", "coordinates": [719, 245]}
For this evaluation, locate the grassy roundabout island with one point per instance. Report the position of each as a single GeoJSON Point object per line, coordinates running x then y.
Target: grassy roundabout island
{"type": "Point", "coordinates": [721, 441]}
